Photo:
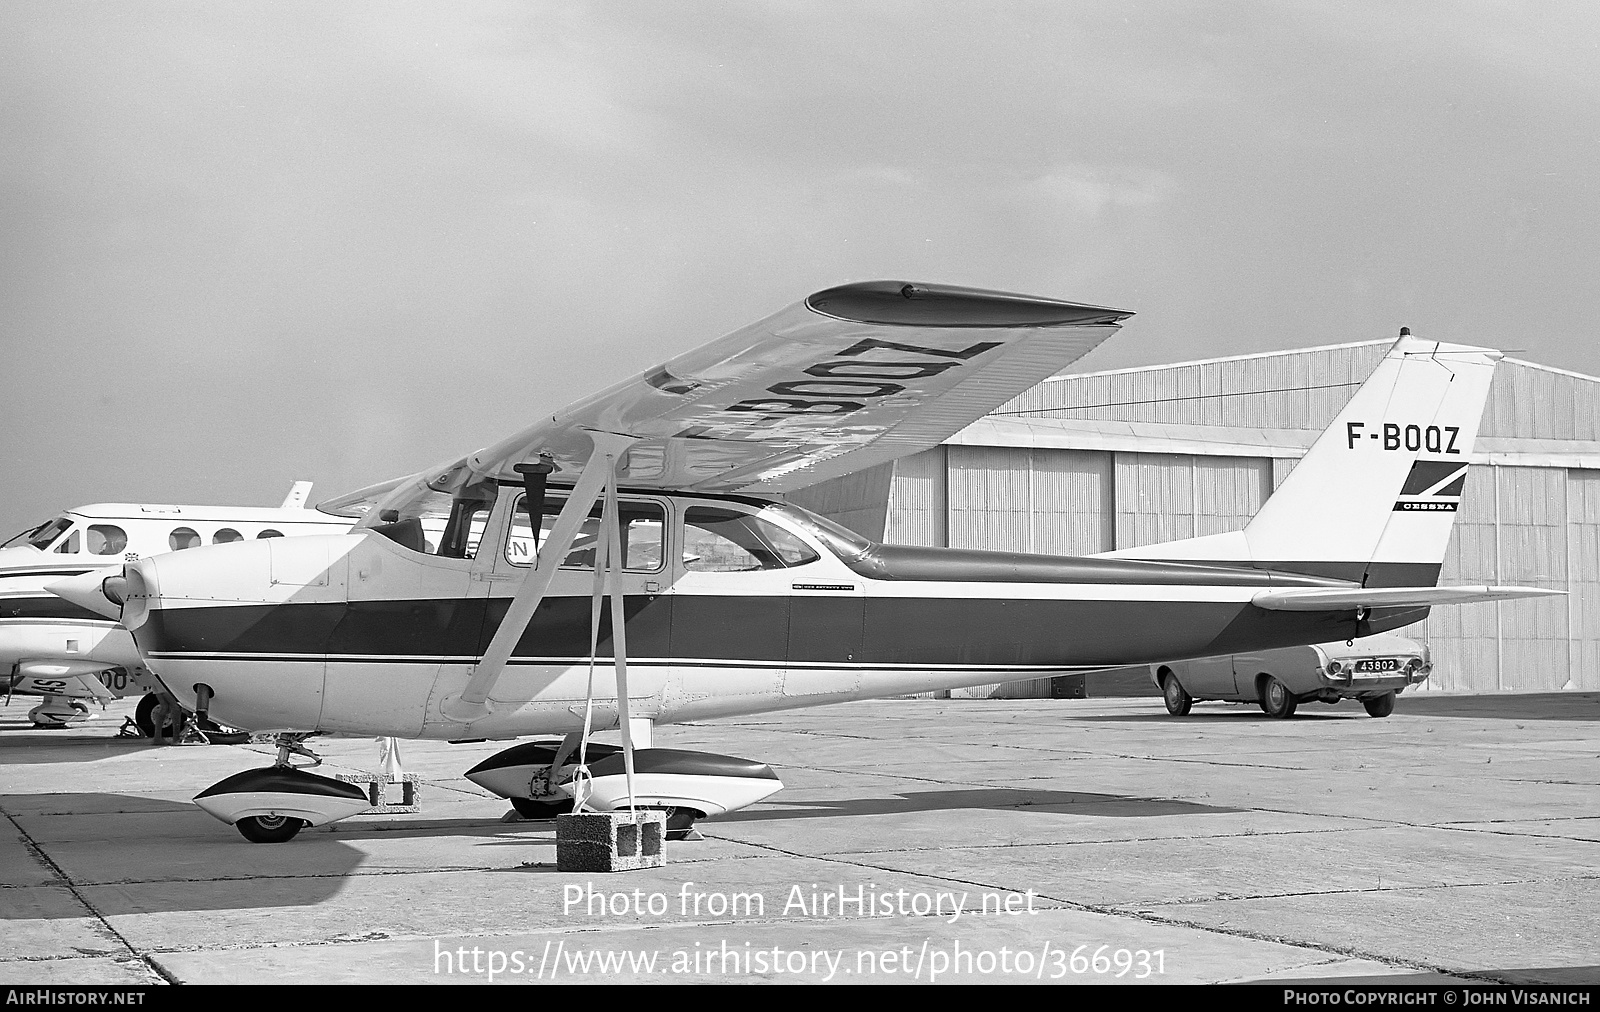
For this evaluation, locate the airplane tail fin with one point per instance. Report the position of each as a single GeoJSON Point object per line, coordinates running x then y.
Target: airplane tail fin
{"type": "Point", "coordinates": [298, 493]}
{"type": "Point", "coordinates": [1374, 498]}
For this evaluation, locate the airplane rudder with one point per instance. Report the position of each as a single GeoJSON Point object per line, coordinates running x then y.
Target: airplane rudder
{"type": "Point", "coordinates": [1398, 447]}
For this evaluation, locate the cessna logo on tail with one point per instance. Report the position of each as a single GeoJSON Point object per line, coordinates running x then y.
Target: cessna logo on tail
{"type": "Point", "coordinates": [1433, 438]}
{"type": "Point", "coordinates": [1433, 486]}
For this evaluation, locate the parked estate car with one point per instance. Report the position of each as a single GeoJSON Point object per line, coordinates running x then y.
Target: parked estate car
{"type": "Point", "coordinates": [1374, 670]}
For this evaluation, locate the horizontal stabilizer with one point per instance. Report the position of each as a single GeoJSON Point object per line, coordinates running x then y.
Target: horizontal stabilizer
{"type": "Point", "coordinates": [1317, 599]}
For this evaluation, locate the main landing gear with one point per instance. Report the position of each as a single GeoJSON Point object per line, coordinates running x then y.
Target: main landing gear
{"type": "Point", "coordinates": [180, 726]}
{"type": "Point", "coordinates": [539, 778]}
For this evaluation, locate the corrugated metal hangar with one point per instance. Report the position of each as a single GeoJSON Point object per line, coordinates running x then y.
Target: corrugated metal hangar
{"type": "Point", "coordinates": [1100, 461]}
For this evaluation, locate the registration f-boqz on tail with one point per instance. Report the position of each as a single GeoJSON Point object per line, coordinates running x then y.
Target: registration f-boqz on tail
{"type": "Point", "coordinates": [735, 603]}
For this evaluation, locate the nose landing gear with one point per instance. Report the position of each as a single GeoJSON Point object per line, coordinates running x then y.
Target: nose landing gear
{"type": "Point", "coordinates": [58, 711]}
{"type": "Point", "coordinates": [272, 804]}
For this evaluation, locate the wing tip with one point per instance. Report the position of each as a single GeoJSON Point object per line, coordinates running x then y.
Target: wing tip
{"type": "Point", "coordinates": [905, 304]}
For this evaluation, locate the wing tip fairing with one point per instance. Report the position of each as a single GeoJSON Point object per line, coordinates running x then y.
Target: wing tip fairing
{"type": "Point", "coordinates": [903, 304]}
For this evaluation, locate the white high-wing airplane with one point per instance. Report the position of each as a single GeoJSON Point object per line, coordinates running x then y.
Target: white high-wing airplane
{"type": "Point", "coordinates": [736, 603]}
{"type": "Point", "coordinates": [73, 656]}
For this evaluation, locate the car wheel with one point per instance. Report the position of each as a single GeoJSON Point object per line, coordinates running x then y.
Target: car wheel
{"type": "Point", "coordinates": [269, 828]}
{"type": "Point", "coordinates": [1379, 706]}
{"type": "Point", "coordinates": [1276, 699]}
{"type": "Point", "coordinates": [531, 809]}
{"type": "Point", "coordinates": [1176, 697]}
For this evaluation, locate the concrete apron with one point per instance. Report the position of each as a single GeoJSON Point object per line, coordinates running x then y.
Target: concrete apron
{"type": "Point", "coordinates": [945, 841]}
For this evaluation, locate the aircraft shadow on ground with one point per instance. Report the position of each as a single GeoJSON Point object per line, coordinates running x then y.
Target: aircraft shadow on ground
{"type": "Point", "coordinates": [22, 744]}
{"type": "Point", "coordinates": [1530, 706]}
{"type": "Point", "coordinates": [1115, 806]}
{"type": "Point", "coordinates": [1520, 706]}
{"type": "Point", "coordinates": [1203, 712]}
{"type": "Point", "coordinates": [76, 803]}
{"type": "Point", "coordinates": [213, 867]}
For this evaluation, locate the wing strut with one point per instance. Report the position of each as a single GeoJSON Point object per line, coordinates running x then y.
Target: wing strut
{"type": "Point", "coordinates": [472, 703]}
{"type": "Point", "coordinates": [608, 573]}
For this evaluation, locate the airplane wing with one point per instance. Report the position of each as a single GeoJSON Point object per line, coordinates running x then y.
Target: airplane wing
{"type": "Point", "coordinates": [851, 377]}
{"type": "Point", "coordinates": [1314, 599]}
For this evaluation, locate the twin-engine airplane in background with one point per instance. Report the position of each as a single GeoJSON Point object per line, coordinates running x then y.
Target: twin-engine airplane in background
{"type": "Point", "coordinates": [73, 656]}
{"type": "Point", "coordinates": [725, 600]}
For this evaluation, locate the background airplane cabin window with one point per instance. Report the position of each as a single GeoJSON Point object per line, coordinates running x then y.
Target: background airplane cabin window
{"type": "Point", "coordinates": [106, 539]}
{"type": "Point", "coordinates": [269, 533]}
{"type": "Point", "coordinates": [225, 536]}
{"type": "Point", "coordinates": [726, 541]}
{"type": "Point", "coordinates": [643, 524]}
{"type": "Point", "coordinates": [183, 537]}
{"type": "Point", "coordinates": [69, 546]}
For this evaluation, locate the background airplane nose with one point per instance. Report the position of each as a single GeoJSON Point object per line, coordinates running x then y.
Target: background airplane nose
{"type": "Point", "coordinates": [87, 591]}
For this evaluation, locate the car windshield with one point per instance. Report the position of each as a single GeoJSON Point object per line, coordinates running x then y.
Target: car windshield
{"type": "Point", "coordinates": [41, 536]}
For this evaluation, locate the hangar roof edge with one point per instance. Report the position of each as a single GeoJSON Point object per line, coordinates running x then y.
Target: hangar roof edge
{"type": "Point", "coordinates": [1212, 361]}
{"type": "Point", "coordinates": [1059, 377]}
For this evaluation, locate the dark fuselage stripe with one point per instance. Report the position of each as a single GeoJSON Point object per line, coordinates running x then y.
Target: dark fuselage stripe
{"type": "Point", "coordinates": [853, 631]}
{"type": "Point", "coordinates": [48, 606]}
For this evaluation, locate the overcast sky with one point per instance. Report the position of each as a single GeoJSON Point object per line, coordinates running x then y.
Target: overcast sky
{"type": "Point", "coordinates": [242, 244]}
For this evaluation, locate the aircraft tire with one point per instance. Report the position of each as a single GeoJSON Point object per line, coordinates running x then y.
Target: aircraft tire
{"type": "Point", "coordinates": [217, 734]}
{"type": "Point", "coordinates": [142, 715]}
{"type": "Point", "coordinates": [1276, 699]}
{"type": "Point", "coordinates": [1379, 706]}
{"type": "Point", "coordinates": [680, 822]}
{"type": "Point", "coordinates": [1176, 697]}
{"type": "Point", "coordinates": [269, 828]}
{"type": "Point", "coordinates": [531, 809]}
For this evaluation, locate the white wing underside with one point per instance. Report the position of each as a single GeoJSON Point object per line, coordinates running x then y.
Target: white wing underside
{"type": "Point", "coordinates": [849, 378]}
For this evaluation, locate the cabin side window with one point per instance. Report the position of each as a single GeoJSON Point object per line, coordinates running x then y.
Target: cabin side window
{"type": "Point", "coordinates": [183, 537]}
{"type": "Point", "coordinates": [642, 524]}
{"type": "Point", "coordinates": [226, 535]}
{"type": "Point", "coordinates": [106, 539]}
{"type": "Point", "coordinates": [269, 533]}
{"type": "Point", "coordinates": [726, 541]}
